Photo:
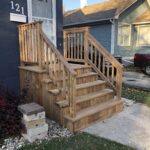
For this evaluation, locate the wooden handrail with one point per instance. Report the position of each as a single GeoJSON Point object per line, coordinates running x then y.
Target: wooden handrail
{"type": "Point", "coordinates": [58, 53]}
{"type": "Point", "coordinates": [36, 48]}
{"type": "Point", "coordinates": [104, 63]}
{"type": "Point", "coordinates": [104, 51]}
{"type": "Point", "coordinates": [80, 46]}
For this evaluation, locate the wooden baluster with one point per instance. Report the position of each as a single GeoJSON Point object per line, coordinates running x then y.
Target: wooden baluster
{"type": "Point", "coordinates": [91, 52]}
{"type": "Point", "coordinates": [108, 69]}
{"type": "Point", "coordinates": [81, 49]}
{"type": "Point", "coordinates": [75, 46]}
{"type": "Point", "coordinates": [47, 60]}
{"type": "Point", "coordinates": [42, 52]}
{"type": "Point", "coordinates": [31, 38]}
{"type": "Point", "coordinates": [112, 74]}
{"type": "Point", "coordinates": [103, 66]}
{"type": "Point", "coordinates": [99, 60]}
{"type": "Point", "coordinates": [55, 69]}
{"type": "Point", "coordinates": [22, 44]}
{"type": "Point", "coordinates": [51, 62]}
{"type": "Point", "coordinates": [35, 43]}
{"type": "Point", "coordinates": [95, 56]}
{"type": "Point", "coordinates": [71, 46]}
{"type": "Point", "coordinates": [59, 68]}
{"type": "Point", "coordinates": [78, 46]}
{"type": "Point", "coordinates": [29, 42]}
{"type": "Point", "coordinates": [65, 46]}
{"type": "Point", "coordinates": [39, 45]}
{"type": "Point", "coordinates": [85, 46]}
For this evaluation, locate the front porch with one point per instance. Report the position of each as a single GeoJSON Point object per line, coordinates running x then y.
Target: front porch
{"type": "Point", "coordinates": [75, 94]}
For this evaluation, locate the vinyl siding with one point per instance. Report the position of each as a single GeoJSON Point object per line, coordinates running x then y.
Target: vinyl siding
{"type": "Point", "coordinates": [129, 16]}
{"type": "Point", "coordinates": [103, 34]}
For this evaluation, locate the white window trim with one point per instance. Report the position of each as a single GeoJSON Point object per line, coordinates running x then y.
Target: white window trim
{"type": "Point", "coordinates": [129, 35]}
{"type": "Point", "coordinates": [29, 5]}
{"type": "Point", "coordinates": [137, 41]}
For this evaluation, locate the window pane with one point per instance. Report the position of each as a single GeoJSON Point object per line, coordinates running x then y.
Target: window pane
{"type": "Point", "coordinates": [124, 35]}
{"type": "Point", "coordinates": [144, 35]}
{"type": "Point", "coordinates": [42, 8]}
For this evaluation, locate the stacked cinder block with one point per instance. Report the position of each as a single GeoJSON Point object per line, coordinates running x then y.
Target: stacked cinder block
{"type": "Point", "coordinates": [34, 121]}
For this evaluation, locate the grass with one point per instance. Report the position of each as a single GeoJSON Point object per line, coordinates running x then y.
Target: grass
{"type": "Point", "coordinates": [80, 141]}
{"type": "Point", "coordinates": [138, 96]}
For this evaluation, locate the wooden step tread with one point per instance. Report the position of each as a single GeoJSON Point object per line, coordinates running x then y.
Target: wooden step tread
{"type": "Point", "coordinates": [63, 103]}
{"type": "Point", "coordinates": [87, 97]}
{"type": "Point", "coordinates": [92, 110]}
{"type": "Point", "coordinates": [77, 66]}
{"type": "Point", "coordinates": [54, 91]}
{"type": "Point", "coordinates": [47, 81]}
{"type": "Point", "coordinates": [87, 74]}
{"type": "Point", "coordinates": [90, 84]}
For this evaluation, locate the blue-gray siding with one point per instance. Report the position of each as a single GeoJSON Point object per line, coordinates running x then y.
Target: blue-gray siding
{"type": "Point", "coordinates": [129, 16]}
{"type": "Point", "coordinates": [103, 34]}
{"type": "Point", "coordinates": [9, 47]}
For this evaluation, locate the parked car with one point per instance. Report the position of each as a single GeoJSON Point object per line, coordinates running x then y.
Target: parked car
{"type": "Point", "coordinates": [142, 61]}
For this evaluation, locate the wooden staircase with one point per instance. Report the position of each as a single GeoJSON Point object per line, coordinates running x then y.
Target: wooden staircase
{"type": "Point", "coordinates": [74, 94]}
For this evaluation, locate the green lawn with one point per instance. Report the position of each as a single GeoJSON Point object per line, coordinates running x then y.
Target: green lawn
{"type": "Point", "coordinates": [138, 96]}
{"type": "Point", "coordinates": [81, 141]}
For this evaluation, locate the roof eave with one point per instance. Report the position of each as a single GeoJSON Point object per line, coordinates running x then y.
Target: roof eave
{"type": "Point", "coordinates": [118, 15]}
{"type": "Point", "coordinates": [94, 21]}
{"type": "Point", "coordinates": [143, 22]}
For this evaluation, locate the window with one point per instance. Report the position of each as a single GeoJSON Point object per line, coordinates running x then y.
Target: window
{"type": "Point", "coordinates": [124, 35]}
{"type": "Point", "coordinates": [143, 35]}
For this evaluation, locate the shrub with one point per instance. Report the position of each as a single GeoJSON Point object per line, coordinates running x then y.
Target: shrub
{"type": "Point", "coordinates": [10, 117]}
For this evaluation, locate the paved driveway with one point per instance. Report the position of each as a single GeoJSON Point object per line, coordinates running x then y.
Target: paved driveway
{"type": "Point", "coordinates": [130, 127]}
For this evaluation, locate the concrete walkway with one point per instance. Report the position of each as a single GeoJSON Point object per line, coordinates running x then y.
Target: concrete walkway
{"type": "Point", "coordinates": [136, 80]}
{"type": "Point", "coordinates": [130, 127]}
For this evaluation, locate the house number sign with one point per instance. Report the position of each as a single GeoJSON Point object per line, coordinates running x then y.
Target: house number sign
{"type": "Point", "coordinates": [17, 11]}
{"type": "Point", "coordinates": [16, 7]}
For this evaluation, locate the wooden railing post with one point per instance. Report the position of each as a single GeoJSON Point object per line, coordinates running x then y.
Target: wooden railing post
{"type": "Point", "coordinates": [86, 45]}
{"type": "Point", "coordinates": [119, 83]}
{"type": "Point", "coordinates": [65, 45]}
{"type": "Point", "coordinates": [72, 93]}
{"type": "Point", "coordinates": [39, 28]}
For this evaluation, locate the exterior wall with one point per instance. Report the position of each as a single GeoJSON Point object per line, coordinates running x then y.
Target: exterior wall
{"type": "Point", "coordinates": [9, 43]}
{"type": "Point", "coordinates": [103, 34]}
{"type": "Point", "coordinates": [9, 46]}
{"type": "Point", "coordinates": [129, 16]}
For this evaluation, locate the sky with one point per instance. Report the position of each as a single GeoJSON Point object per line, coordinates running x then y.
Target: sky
{"type": "Point", "coordinates": [73, 4]}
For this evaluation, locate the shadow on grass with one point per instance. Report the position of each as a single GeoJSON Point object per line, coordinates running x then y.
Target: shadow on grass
{"type": "Point", "coordinates": [80, 141]}
{"type": "Point", "coordinates": [138, 96]}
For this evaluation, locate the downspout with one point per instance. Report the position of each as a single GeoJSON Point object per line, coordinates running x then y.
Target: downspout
{"type": "Point", "coordinates": [112, 36]}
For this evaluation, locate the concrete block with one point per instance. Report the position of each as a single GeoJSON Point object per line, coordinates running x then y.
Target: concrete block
{"type": "Point", "coordinates": [33, 124]}
{"type": "Point", "coordinates": [33, 117]}
{"type": "Point", "coordinates": [30, 109]}
{"type": "Point", "coordinates": [34, 138]}
{"type": "Point", "coordinates": [37, 130]}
